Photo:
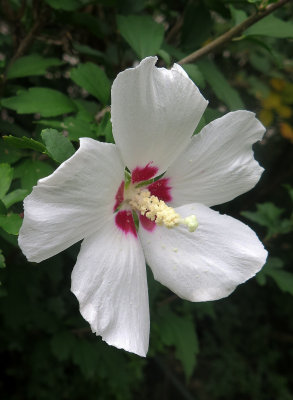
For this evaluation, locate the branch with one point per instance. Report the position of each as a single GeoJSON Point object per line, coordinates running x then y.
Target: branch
{"type": "Point", "coordinates": [7, 10]}
{"type": "Point", "coordinates": [181, 388]}
{"type": "Point", "coordinates": [23, 47]}
{"type": "Point", "coordinates": [27, 40]}
{"type": "Point", "coordinates": [235, 31]}
{"type": "Point", "coordinates": [101, 113]}
{"type": "Point", "coordinates": [173, 31]}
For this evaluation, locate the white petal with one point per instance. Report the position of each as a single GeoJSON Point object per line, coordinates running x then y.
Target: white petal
{"type": "Point", "coordinates": [178, 68]}
{"type": "Point", "coordinates": [206, 264]}
{"type": "Point", "coordinates": [109, 280]}
{"type": "Point", "coordinates": [73, 202]}
{"type": "Point", "coordinates": [154, 113]}
{"type": "Point", "coordinates": [219, 164]}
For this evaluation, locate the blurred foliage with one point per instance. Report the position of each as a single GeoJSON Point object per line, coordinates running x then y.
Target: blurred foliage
{"type": "Point", "coordinates": [58, 59]}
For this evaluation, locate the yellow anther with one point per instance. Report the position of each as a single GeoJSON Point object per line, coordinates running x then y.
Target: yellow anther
{"type": "Point", "coordinates": [157, 210]}
{"type": "Point", "coordinates": [154, 209]}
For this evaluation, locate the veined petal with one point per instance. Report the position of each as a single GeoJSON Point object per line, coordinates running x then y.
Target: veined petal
{"type": "Point", "coordinates": [154, 114]}
{"type": "Point", "coordinates": [219, 164]}
{"type": "Point", "coordinates": [109, 281]}
{"type": "Point", "coordinates": [73, 202]}
{"type": "Point", "coordinates": [206, 264]}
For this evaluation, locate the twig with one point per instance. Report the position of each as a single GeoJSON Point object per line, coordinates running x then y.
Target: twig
{"type": "Point", "coordinates": [7, 10]}
{"type": "Point", "coordinates": [168, 300]}
{"type": "Point", "coordinates": [174, 30]}
{"type": "Point", "coordinates": [235, 31]}
{"type": "Point", "coordinates": [101, 113]}
{"type": "Point", "coordinates": [283, 337]}
{"type": "Point", "coordinates": [21, 10]}
{"type": "Point", "coordinates": [81, 331]}
{"type": "Point", "coordinates": [27, 40]}
{"type": "Point", "coordinates": [174, 380]}
{"type": "Point", "coordinates": [23, 46]}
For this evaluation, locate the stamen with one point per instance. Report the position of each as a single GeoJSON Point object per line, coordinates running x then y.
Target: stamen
{"type": "Point", "coordinates": [157, 210]}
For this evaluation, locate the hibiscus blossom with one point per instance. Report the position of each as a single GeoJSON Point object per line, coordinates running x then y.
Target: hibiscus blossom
{"type": "Point", "coordinates": [196, 252]}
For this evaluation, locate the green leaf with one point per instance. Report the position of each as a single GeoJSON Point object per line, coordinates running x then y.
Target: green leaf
{"type": "Point", "coordinates": [62, 345]}
{"type": "Point", "coordinates": [283, 279]}
{"type": "Point", "coordinates": [209, 115]}
{"type": "Point", "coordinates": [128, 6]}
{"type": "Point", "coordinates": [89, 51]}
{"type": "Point", "coordinates": [6, 176]}
{"type": "Point", "coordinates": [105, 128]}
{"type": "Point", "coordinates": [12, 239]}
{"type": "Point", "coordinates": [273, 268]}
{"type": "Point", "coordinates": [220, 85]}
{"type": "Point", "coordinates": [3, 208]}
{"type": "Point", "coordinates": [202, 123]}
{"type": "Point", "coordinates": [260, 61]}
{"type": "Point", "coordinates": [67, 5]}
{"type": "Point", "coordinates": [179, 332]}
{"type": "Point", "coordinates": [142, 33]}
{"type": "Point", "coordinates": [194, 73]}
{"type": "Point", "coordinates": [25, 143]}
{"type": "Point", "coordinates": [8, 128]}
{"type": "Point", "coordinates": [58, 146]}
{"type": "Point", "coordinates": [46, 102]}
{"type": "Point", "coordinates": [272, 263]}
{"type": "Point", "coordinates": [166, 57]}
{"type": "Point", "coordinates": [289, 189]}
{"type": "Point", "coordinates": [33, 64]}
{"type": "Point", "coordinates": [9, 154]}
{"type": "Point", "coordinates": [51, 123]}
{"type": "Point", "coordinates": [14, 197]}
{"type": "Point", "coordinates": [268, 215]}
{"type": "Point", "coordinates": [2, 260]}
{"type": "Point", "coordinates": [237, 15]}
{"type": "Point", "coordinates": [11, 223]}
{"type": "Point", "coordinates": [87, 110]}
{"type": "Point", "coordinates": [174, 51]}
{"type": "Point", "coordinates": [197, 26]}
{"type": "Point", "coordinates": [93, 79]}
{"type": "Point", "coordinates": [89, 22]}
{"type": "Point", "coordinates": [86, 358]}
{"type": "Point", "coordinates": [30, 171]}
{"type": "Point", "coordinates": [261, 278]}
{"type": "Point", "coordinates": [76, 127]}
{"type": "Point", "coordinates": [257, 87]}
{"type": "Point", "coordinates": [271, 26]}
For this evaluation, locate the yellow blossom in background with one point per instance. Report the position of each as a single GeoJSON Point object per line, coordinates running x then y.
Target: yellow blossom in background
{"type": "Point", "coordinates": [266, 117]}
{"type": "Point", "coordinates": [286, 131]}
{"type": "Point", "coordinates": [278, 104]}
{"type": "Point", "coordinates": [278, 84]}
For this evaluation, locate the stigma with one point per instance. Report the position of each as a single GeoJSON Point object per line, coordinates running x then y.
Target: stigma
{"type": "Point", "coordinates": [156, 210]}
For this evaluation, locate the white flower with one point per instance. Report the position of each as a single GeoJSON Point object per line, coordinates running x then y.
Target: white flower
{"type": "Point", "coordinates": [154, 114]}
